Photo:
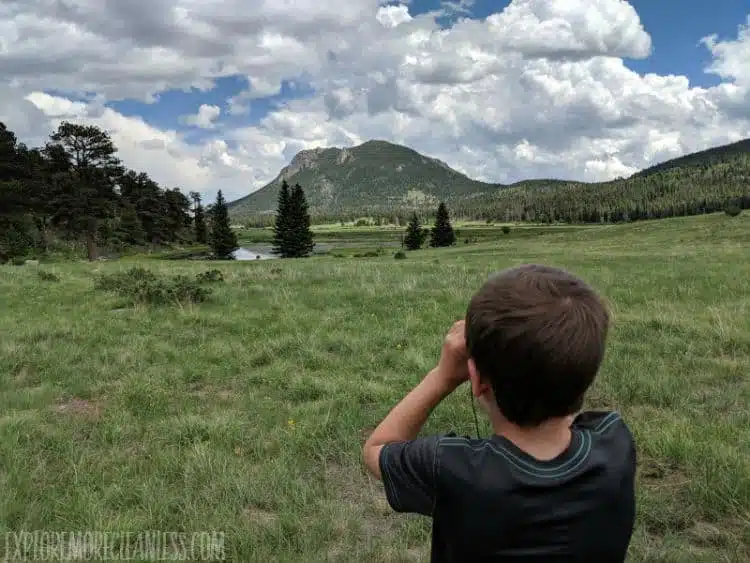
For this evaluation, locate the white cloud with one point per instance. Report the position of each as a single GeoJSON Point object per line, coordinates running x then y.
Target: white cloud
{"type": "Point", "coordinates": [731, 58]}
{"type": "Point", "coordinates": [205, 117]}
{"type": "Point", "coordinates": [393, 16]}
{"type": "Point", "coordinates": [537, 90]}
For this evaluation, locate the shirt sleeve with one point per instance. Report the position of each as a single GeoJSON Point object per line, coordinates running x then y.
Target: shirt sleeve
{"type": "Point", "coordinates": [409, 472]}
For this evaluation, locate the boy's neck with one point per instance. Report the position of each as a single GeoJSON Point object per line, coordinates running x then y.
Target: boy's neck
{"type": "Point", "coordinates": [543, 442]}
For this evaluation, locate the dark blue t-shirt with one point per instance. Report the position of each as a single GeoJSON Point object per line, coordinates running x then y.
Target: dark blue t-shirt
{"type": "Point", "coordinates": [491, 501]}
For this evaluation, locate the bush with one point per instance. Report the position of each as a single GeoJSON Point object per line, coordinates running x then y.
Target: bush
{"type": "Point", "coordinates": [142, 286]}
{"type": "Point", "coordinates": [121, 281]}
{"type": "Point", "coordinates": [48, 276]}
{"type": "Point", "coordinates": [506, 230]}
{"type": "Point", "coordinates": [733, 210]}
{"type": "Point", "coordinates": [210, 276]}
{"type": "Point", "coordinates": [400, 255]}
{"type": "Point", "coordinates": [368, 254]}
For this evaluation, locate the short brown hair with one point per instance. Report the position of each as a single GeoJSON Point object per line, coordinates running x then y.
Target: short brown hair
{"type": "Point", "coordinates": [538, 334]}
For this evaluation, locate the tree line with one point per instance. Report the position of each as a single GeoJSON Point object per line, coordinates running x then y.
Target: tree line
{"type": "Point", "coordinates": [698, 187]}
{"type": "Point", "coordinates": [75, 189]}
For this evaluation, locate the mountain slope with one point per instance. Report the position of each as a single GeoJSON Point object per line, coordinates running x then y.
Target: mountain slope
{"type": "Point", "coordinates": [708, 157]}
{"type": "Point", "coordinates": [373, 175]}
{"type": "Point", "coordinates": [381, 178]}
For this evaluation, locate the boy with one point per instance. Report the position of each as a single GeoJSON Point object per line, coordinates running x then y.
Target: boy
{"type": "Point", "coordinates": [548, 486]}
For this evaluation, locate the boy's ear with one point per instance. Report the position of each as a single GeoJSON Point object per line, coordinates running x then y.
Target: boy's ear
{"type": "Point", "coordinates": [478, 387]}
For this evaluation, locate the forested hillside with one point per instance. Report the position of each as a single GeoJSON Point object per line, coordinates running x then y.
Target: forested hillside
{"type": "Point", "coordinates": [701, 159]}
{"type": "Point", "coordinates": [673, 191]}
{"type": "Point", "coordinates": [368, 183]}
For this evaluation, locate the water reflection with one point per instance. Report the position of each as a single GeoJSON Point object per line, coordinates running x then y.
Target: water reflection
{"type": "Point", "coordinates": [250, 254]}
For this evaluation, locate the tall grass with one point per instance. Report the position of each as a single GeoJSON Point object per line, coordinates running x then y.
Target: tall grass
{"type": "Point", "coordinates": [245, 413]}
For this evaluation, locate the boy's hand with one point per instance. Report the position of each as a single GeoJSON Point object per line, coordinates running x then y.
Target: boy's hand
{"type": "Point", "coordinates": [454, 359]}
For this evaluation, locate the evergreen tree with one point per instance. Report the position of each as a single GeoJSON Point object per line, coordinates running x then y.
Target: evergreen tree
{"type": "Point", "coordinates": [176, 219]}
{"type": "Point", "coordinates": [281, 225]}
{"type": "Point", "coordinates": [223, 239]}
{"type": "Point", "coordinates": [130, 230]}
{"type": "Point", "coordinates": [199, 219]}
{"type": "Point", "coordinates": [415, 235]}
{"type": "Point", "coordinates": [300, 234]}
{"type": "Point", "coordinates": [147, 198]}
{"type": "Point", "coordinates": [87, 195]}
{"type": "Point", "coordinates": [442, 232]}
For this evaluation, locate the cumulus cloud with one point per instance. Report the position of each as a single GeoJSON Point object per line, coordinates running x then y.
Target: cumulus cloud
{"type": "Point", "coordinates": [731, 58]}
{"type": "Point", "coordinates": [539, 89]}
{"type": "Point", "coordinates": [205, 117]}
{"type": "Point", "coordinates": [393, 16]}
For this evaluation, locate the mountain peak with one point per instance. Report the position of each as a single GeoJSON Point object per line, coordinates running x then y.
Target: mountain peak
{"type": "Point", "coordinates": [374, 174]}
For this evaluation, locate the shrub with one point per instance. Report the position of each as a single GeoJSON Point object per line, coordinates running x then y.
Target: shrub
{"type": "Point", "coordinates": [141, 286]}
{"type": "Point", "coordinates": [210, 276]}
{"type": "Point", "coordinates": [400, 255]}
{"type": "Point", "coordinates": [48, 276]}
{"type": "Point", "coordinates": [506, 230]}
{"type": "Point", "coordinates": [733, 210]}
{"type": "Point", "coordinates": [120, 282]}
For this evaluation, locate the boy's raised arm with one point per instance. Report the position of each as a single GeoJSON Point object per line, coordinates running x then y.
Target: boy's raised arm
{"type": "Point", "coordinates": [406, 419]}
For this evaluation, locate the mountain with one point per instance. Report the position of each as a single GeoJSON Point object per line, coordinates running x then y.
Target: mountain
{"type": "Point", "coordinates": [379, 178]}
{"type": "Point", "coordinates": [374, 175]}
{"type": "Point", "coordinates": [704, 158]}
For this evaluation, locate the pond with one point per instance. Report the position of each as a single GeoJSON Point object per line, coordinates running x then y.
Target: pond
{"type": "Point", "coordinates": [251, 254]}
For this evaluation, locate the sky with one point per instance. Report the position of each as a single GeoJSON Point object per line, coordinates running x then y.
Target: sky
{"type": "Point", "coordinates": [221, 94]}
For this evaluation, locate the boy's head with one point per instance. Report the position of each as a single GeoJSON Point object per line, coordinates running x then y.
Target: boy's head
{"type": "Point", "coordinates": [537, 335]}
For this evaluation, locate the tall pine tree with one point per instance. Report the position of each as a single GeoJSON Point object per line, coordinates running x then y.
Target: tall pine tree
{"type": "Point", "coordinates": [414, 234]}
{"type": "Point", "coordinates": [301, 236]}
{"type": "Point", "coordinates": [86, 194]}
{"type": "Point", "coordinates": [223, 239]}
{"type": "Point", "coordinates": [281, 237]}
{"type": "Point", "coordinates": [442, 233]}
{"type": "Point", "coordinates": [199, 219]}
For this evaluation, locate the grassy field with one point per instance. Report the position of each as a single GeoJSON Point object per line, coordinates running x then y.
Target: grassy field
{"type": "Point", "coordinates": [349, 241]}
{"type": "Point", "coordinates": [246, 413]}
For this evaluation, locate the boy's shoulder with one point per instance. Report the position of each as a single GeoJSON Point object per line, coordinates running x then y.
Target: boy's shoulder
{"type": "Point", "coordinates": [416, 471]}
{"type": "Point", "coordinates": [599, 424]}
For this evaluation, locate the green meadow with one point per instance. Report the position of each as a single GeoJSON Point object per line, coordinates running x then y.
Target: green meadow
{"type": "Point", "coordinates": [246, 413]}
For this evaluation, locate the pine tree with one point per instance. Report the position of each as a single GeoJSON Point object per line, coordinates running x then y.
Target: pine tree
{"type": "Point", "coordinates": [87, 194]}
{"type": "Point", "coordinates": [414, 234]}
{"type": "Point", "coordinates": [199, 219]}
{"type": "Point", "coordinates": [292, 235]}
{"type": "Point", "coordinates": [130, 231]}
{"type": "Point", "coordinates": [281, 237]}
{"type": "Point", "coordinates": [223, 239]}
{"type": "Point", "coordinates": [442, 232]}
{"type": "Point", "coordinates": [300, 234]}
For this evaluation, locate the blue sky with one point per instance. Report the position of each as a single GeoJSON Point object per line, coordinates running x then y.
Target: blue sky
{"type": "Point", "coordinates": [675, 26]}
